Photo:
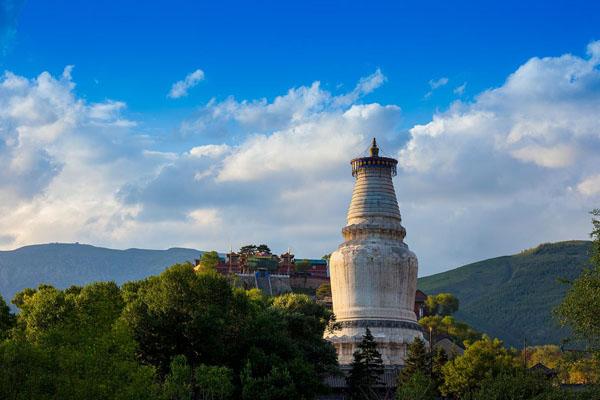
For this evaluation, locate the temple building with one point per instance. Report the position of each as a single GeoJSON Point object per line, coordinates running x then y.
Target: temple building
{"type": "Point", "coordinates": [373, 273]}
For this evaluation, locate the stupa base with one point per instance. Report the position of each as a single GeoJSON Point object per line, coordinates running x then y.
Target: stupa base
{"type": "Point", "coordinates": [392, 338]}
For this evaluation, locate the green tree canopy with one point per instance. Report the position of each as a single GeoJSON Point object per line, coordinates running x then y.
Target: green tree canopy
{"type": "Point", "coordinates": [515, 384]}
{"type": "Point", "coordinates": [209, 261]}
{"type": "Point", "coordinates": [68, 344]}
{"type": "Point", "coordinates": [262, 341]}
{"type": "Point", "coordinates": [460, 332]}
{"type": "Point", "coordinates": [7, 319]}
{"type": "Point", "coordinates": [248, 250]}
{"type": "Point", "coordinates": [442, 304]}
{"type": "Point", "coordinates": [263, 248]}
{"type": "Point", "coordinates": [324, 290]}
{"type": "Point", "coordinates": [481, 359]}
{"type": "Point", "coordinates": [579, 308]}
{"type": "Point", "coordinates": [418, 386]}
{"type": "Point", "coordinates": [180, 335]}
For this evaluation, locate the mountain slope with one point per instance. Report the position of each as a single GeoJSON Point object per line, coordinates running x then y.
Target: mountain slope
{"type": "Point", "coordinates": [63, 265]}
{"type": "Point", "coordinates": [512, 297]}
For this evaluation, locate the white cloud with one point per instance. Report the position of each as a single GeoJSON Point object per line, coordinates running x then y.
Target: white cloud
{"type": "Point", "coordinates": [554, 157]}
{"type": "Point", "coordinates": [502, 167]}
{"type": "Point", "coordinates": [482, 178]}
{"type": "Point", "coordinates": [180, 88]}
{"type": "Point", "coordinates": [438, 83]}
{"type": "Point", "coordinates": [364, 86]}
{"type": "Point", "coordinates": [209, 150]}
{"type": "Point", "coordinates": [435, 84]}
{"type": "Point", "coordinates": [590, 186]}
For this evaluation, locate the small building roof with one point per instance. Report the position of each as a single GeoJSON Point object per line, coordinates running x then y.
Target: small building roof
{"type": "Point", "coordinates": [420, 296]}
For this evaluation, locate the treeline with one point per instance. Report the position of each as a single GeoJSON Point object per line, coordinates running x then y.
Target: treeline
{"type": "Point", "coordinates": [179, 335]}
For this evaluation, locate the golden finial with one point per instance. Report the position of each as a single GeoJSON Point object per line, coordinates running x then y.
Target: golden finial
{"type": "Point", "coordinates": [374, 149]}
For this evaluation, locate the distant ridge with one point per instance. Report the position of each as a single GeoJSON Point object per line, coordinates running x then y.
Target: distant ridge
{"type": "Point", "coordinates": [63, 265]}
{"type": "Point", "coordinates": [512, 297]}
{"type": "Point", "coordinates": [509, 297]}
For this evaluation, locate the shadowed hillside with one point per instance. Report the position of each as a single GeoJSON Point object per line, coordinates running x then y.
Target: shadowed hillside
{"type": "Point", "coordinates": [63, 265]}
{"type": "Point", "coordinates": [512, 297]}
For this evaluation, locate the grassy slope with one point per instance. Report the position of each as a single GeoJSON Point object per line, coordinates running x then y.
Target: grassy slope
{"type": "Point", "coordinates": [512, 297]}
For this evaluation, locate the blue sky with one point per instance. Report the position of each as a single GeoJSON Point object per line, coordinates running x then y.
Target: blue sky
{"type": "Point", "coordinates": [323, 76]}
{"type": "Point", "coordinates": [131, 52]}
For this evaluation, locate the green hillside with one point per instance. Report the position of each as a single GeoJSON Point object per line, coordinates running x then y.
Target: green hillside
{"type": "Point", "coordinates": [65, 264]}
{"type": "Point", "coordinates": [512, 297]}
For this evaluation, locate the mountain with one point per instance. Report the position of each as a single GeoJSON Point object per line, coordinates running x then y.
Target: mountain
{"type": "Point", "coordinates": [63, 265]}
{"type": "Point", "coordinates": [512, 297]}
{"type": "Point", "coordinates": [509, 297]}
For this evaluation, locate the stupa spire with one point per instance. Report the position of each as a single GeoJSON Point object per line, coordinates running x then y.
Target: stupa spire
{"type": "Point", "coordinates": [374, 149]}
{"type": "Point", "coordinates": [373, 273]}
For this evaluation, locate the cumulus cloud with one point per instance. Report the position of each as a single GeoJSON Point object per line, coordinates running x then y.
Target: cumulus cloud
{"type": "Point", "coordinates": [62, 161]}
{"type": "Point", "coordinates": [180, 88]}
{"type": "Point", "coordinates": [510, 158]}
{"type": "Point", "coordinates": [515, 166]}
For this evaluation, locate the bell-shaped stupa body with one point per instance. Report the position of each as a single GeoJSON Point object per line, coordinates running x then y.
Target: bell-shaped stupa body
{"type": "Point", "coordinates": [373, 273]}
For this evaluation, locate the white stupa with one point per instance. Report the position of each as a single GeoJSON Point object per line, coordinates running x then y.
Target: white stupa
{"type": "Point", "coordinates": [373, 273]}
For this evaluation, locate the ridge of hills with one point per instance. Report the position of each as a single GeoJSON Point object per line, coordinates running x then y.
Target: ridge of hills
{"type": "Point", "coordinates": [509, 297]}
{"type": "Point", "coordinates": [66, 264]}
{"type": "Point", "coordinates": [512, 297]}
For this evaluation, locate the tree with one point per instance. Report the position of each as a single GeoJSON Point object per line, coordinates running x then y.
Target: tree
{"type": "Point", "coordinates": [276, 385]}
{"type": "Point", "coordinates": [68, 344]}
{"type": "Point", "coordinates": [181, 312]}
{"type": "Point", "coordinates": [7, 319]}
{"type": "Point", "coordinates": [209, 261]}
{"type": "Point", "coordinates": [418, 386]}
{"type": "Point", "coordinates": [425, 363]}
{"type": "Point", "coordinates": [324, 290]}
{"type": "Point", "coordinates": [214, 382]}
{"type": "Point", "coordinates": [178, 382]}
{"type": "Point", "coordinates": [442, 304]}
{"type": "Point", "coordinates": [515, 384]}
{"type": "Point", "coordinates": [483, 358]}
{"type": "Point", "coordinates": [417, 359]}
{"type": "Point", "coordinates": [366, 369]}
{"type": "Point", "coordinates": [439, 358]}
{"type": "Point", "coordinates": [263, 248]}
{"type": "Point", "coordinates": [458, 331]}
{"type": "Point", "coordinates": [248, 250]}
{"type": "Point", "coordinates": [579, 308]}
{"type": "Point", "coordinates": [263, 341]}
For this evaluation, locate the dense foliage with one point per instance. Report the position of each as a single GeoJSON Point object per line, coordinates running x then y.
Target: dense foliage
{"type": "Point", "coordinates": [579, 309]}
{"type": "Point", "coordinates": [422, 376]}
{"type": "Point", "coordinates": [512, 297]}
{"type": "Point", "coordinates": [208, 262]}
{"type": "Point", "coordinates": [481, 359]}
{"type": "Point", "coordinates": [179, 335]}
{"type": "Point", "coordinates": [442, 304]}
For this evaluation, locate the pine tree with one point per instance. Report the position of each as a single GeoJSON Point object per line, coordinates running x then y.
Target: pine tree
{"type": "Point", "coordinates": [438, 360]}
{"type": "Point", "coordinates": [366, 369]}
{"type": "Point", "coordinates": [417, 359]}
